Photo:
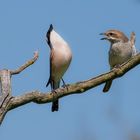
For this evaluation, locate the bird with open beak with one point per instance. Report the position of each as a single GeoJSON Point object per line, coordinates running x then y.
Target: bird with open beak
{"type": "Point", "coordinates": [60, 58]}
{"type": "Point", "coordinates": [121, 50]}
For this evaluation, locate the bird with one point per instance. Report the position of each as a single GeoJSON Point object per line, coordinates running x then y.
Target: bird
{"type": "Point", "coordinates": [60, 59]}
{"type": "Point", "coordinates": [121, 50]}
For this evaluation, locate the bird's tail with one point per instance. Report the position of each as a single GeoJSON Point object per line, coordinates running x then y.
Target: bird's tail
{"type": "Point", "coordinates": [107, 86]}
{"type": "Point", "coordinates": [55, 104]}
{"type": "Point", "coordinates": [132, 41]}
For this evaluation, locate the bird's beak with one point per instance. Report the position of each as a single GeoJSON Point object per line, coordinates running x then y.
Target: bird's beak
{"type": "Point", "coordinates": [102, 34]}
{"type": "Point", "coordinates": [104, 38]}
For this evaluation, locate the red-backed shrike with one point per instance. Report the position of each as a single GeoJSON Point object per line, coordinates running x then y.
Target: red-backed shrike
{"type": "Point", "coordinates": [60, 58]}
{"type": "Point", "coordinates": [121, 50]}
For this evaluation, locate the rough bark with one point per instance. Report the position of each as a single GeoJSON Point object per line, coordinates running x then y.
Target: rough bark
{"type": "Point", "coordinates": [38, 97]}
{"type": "Point", "coordinates": [5, 86]}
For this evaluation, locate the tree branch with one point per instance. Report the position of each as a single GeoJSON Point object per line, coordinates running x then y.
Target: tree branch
{"type": "Point", "coordinates": [79, 87]}
{"type": "Point", "coordinates": [76, 88]}
{"type": "Point", "coordinates": [5, 85]}
{"type": "Point", "coordinates": [27, 64]}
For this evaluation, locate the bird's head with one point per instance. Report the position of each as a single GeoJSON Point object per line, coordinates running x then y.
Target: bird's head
{"type": "Point", "coordinates": [114, 36]}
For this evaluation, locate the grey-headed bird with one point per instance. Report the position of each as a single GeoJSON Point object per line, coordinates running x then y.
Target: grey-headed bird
{"type": "Point", "coordinates": [121, 49]}
{"type": "Point", "coordinates": [60, 59]}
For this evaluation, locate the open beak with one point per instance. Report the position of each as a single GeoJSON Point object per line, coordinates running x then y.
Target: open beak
{"type": "Point", "coordinates": [104, 38]}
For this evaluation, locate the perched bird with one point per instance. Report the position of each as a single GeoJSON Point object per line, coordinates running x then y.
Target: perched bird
{"type": "Point", "coordinates": [60, 58]}
{"type": "Point", "coordinates": [121, 49]}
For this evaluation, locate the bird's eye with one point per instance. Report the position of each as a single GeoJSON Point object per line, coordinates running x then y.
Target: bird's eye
{"type": "Point", "coordinates": [110, 34]}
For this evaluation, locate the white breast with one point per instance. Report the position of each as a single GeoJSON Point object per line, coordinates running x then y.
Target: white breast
{"type": "Point", "coordinates": [62, 55]}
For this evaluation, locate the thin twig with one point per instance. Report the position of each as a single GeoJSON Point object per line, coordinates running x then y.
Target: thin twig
{"type": "Point", "coordinates": [27, 64]}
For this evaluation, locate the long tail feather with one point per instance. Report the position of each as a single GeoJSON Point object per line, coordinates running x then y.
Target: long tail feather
{"type": "Point", "coordinates": [107, 86]}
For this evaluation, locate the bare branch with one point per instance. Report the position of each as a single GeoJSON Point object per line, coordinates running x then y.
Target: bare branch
{"type": "Point", "coordinates": [4, 108]}
{"type": "Point", "coordinates": [76, 88]}
{"type": "Point", "coordinates": [27, 64]}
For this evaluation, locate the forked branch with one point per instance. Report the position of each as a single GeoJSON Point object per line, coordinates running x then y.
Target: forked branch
{"type": "Point", "coordinates": [76, 88]}
{"type": "Point", "coordinates": [5, 85]}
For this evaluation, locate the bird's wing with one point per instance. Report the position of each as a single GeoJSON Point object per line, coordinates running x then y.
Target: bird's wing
{"type": "Point", "coordinates": [48, 34]}
{"type": "Point", "coordinates": [51, 62]}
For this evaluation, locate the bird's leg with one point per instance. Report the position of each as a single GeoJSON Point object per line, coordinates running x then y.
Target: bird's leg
{"type": "Point", "coordinates": [64, 84]}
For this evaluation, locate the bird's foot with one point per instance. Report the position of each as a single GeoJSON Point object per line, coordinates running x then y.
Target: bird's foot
{"type": "Point", "coordinates": [65, 86]}
{"type": "Point", "coordinates": [117, 66]}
